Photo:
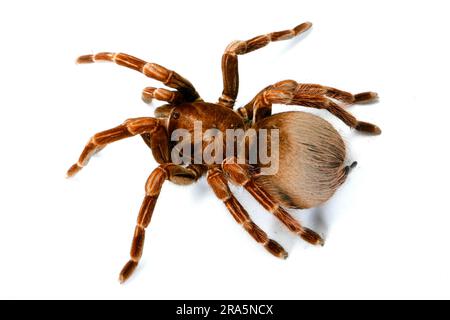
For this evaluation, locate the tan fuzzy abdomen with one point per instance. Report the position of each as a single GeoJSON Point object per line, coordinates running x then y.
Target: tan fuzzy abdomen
{"type": "Point", "coordinates": [311, 160]}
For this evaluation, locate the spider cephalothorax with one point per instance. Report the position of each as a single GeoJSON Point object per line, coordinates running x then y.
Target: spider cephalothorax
{"type": "Point", "coordinates": [310, 156]}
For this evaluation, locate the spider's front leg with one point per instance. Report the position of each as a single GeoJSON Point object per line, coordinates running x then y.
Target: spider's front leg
{"type": "Point", "coordinates": [152, 70]}
{"type": "Point", "coordinates": [153, 128]}
{"type": "Point", "coordinates": [173, 172]}
{"type": "Point", "coordinates": [154, 131]}
{"type": "Point", "coordinates": [241, 175]}
{"type": "Point", "coordinates": [230, 61]}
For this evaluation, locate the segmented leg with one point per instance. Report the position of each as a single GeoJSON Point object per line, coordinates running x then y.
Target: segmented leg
{"type": "Point", "coordinates": [313, 90]}
{"type": "Point", "coordinates": [290, 92]}
{"type": "Point", "coordinates": [152, 189]}
{"type": "Point", "coordinates": [220, 187]}
{"type": "Point", "coordinates": [152, 70]}
{"type": "Point", "coordinates": [150, 93]}
{"type": "Point", "coordinates": [129, 128]}
{"type": "Point", "coordinates": [230, 60]}
{"type": "Point", "coordinates": [241, 175]}
{"type": "Point", "coordinates": [346, 97]}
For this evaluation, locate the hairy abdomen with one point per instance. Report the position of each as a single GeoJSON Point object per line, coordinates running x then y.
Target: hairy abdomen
{"type": "Point", "coordinates": [311, 160]}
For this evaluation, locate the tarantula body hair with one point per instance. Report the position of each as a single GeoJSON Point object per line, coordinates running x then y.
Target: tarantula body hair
{"type": "Point", "coordinates": [311, 157]}
{"type": "Point", "coordinates": [308, 153]}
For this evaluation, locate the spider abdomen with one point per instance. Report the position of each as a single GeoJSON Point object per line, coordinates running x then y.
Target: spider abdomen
{"type": "Point", "coordinates": [311, 160]}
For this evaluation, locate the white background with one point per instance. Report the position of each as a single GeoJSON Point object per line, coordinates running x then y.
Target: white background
{"type": "Point", "coordinates": [386, 229]}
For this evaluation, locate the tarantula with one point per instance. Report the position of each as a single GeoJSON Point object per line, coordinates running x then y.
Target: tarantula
{"type": "Point", "coordinates": [311, 155]}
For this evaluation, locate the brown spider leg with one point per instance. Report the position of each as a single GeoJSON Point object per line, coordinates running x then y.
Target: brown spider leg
{"type": "Point", "coordinates": [241, 175]}
{"type": "Point", "coordinates": [152, 70]}
{"type": "Point", "coordinates": [150, 93]}
{"type": "Point", "coordinates": [289, 92]}
{"type": "Point", "coordinates": [346, 98]}
{"type": "Point", "coordinates": [220, 187]}
{"type": "Point", "coordinates": [153, 187]}
{"type": "Point", "coordinates": [129, 128]}
{"type": "Point", "coordinates": [230, 60]}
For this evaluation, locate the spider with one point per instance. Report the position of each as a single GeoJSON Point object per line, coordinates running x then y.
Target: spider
{"type": "Point", "coordinates": [311, 155]}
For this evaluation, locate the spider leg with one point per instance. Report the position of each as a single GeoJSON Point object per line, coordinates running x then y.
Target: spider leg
{"type": "Point", "coordinates": [152, 189]}
{"type": "Point", "coordinates": [152, 70]}
{"type": "Point", "coordinates": [289, 92]}
{"type": "Point", "coordinates": [235, 48]}
{"type": "Point", "coordinates": [137, 126]}
{"type": "Point", "coordinates": [240, 175]}
{"type": "Point", "coordinates": [220, 187]}
{"type": "Point", "coordinates": [150, 93]}
{"type": "Point", "coordinates": [346, 97]}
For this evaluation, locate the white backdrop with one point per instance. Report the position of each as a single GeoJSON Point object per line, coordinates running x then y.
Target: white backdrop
{"type": "Point", "coordinates": [386, 229]}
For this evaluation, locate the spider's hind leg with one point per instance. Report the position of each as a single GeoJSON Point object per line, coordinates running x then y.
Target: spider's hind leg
{"type": "Point", "coordinates": [241, 175]}
{"type": "Point", "coordinates": [219, 184]}
{"type": "Point", "coordinates": [289, 92]}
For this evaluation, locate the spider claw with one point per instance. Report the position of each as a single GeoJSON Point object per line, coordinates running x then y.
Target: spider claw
{"type": "Point", "coordinates": [74, 169]}
{"type": "Point", "coordinates": [368, 128]}
{"type": "Point", "coordinates": [88, 58]}
{"type": "Point", "coordinates": [276, 249]}
{"type": "Point", "coordinates": [147, 99]}
{"type": "Point", "coordinates": [302, 27]}
{"type": "Point", "coordinates": [366, 97]}
{"type": "Point", "coordinates": [312, 237]}
{"type": "Point", "coordinates": [127, 271]}
{"type": "Point", "coordinates": [148, 94]}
